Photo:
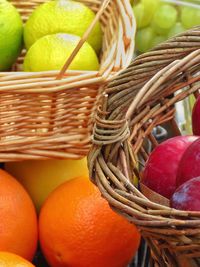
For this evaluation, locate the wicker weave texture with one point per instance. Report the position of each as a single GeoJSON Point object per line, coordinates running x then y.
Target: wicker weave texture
{"type": "Point", "coordinates": [140, 98]}
{"type": "Point", "coordinates": [45, 117]}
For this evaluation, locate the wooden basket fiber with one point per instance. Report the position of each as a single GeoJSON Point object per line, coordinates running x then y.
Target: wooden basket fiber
{"type": "Point", "coordinates": [140, 98]}
{"type": "Point", "coordinates": [43, 116]}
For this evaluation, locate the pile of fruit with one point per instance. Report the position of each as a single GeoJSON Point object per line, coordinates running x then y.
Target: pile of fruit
{"type": "Point", "coordinates": [50, 35]}
{"type": "Point", "coordinates": [55, 27]}
{"type": "Point", "coordinates": [51, 205]}
{"type": "Point", "coordinates": [159, 20]}
{"type": "Point", "coordinates": [73, 225]}
{"type": "Point", "coordinates": [173, 168]}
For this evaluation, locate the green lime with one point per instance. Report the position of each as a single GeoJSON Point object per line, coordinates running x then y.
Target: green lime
{"type": "Point", "coordinates": [62, 16]}
{"type": "Point", "coordinates": [51, 52]}
{"type": "Point", "coordinates": [11, 33]}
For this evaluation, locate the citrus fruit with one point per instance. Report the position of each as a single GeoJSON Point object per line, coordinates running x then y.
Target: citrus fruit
{"type": "Point", "coordinates": [8, 259]}
{"type": "Point", "coordinates": [62, 16]}
{"type": "Point", "coordinates": [18, 223]}
{"type": "Point", "coordinates": [77, 228]}
{"type": "Point", "coordinates": [41, 177]}
{"type": "Point", "coordinates": [51, 51]}
{"type": "Point", "coordinates": [11, 35]}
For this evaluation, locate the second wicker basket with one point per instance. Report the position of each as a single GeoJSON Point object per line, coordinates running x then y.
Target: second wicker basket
{"type": "Point", "coordinates": [140, 98]}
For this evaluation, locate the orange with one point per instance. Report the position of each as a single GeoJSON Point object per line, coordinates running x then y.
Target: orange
{"type": "Point", "coordinates": [18, 223]}
{"type": "Point", "coordinates": [8, 259]}
{"type": "Point", "coordinates": [77, 228]}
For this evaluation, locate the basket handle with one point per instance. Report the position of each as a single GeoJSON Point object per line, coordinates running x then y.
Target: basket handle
{"type": "Point", "coordinates": [83, 39]}
{"type": "Point", "coordinates": [123, 93]}
{"type": "Point", "coordinates": [144, 68]}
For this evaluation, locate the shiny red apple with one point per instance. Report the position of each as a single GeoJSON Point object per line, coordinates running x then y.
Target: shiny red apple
{"type": "Point", "coordinates": [196, 117]}
{"type": "Point", "coordinates": [189, 166]}
{"type": "Point", "coordinates": [161, 168]}
{"type": "Point", "coordinates": [187, 196]}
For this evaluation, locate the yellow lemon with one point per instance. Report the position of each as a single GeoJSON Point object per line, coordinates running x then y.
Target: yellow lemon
{"type": "Point", "coordinates": [51, 51]}
{"type": "Point", "coordinates": [62, 16]}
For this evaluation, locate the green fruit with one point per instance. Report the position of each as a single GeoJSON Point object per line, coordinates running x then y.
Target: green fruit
{"type": "Point", "coordinates": [164, 19]}
{"type": "Point", "coordinates": [177, 29]}
{"type": "Point", "coordinates": [62, 16]}
{"type": "Point", "coordinates": [11, 35]}
{"type": "Point", "coordinates": [141, 18]}
{"type": "Point", "coordinates": [190, 17]}
{"type": "Point", "coordinates": [144, 39]}
{"type": "Point", "coordinates": [51, 51]}
{"type": "Point", "coordinates": [158, 40]}
{"type": "Point", "coordinates": [144, 12]}
{"type": "Point", "coordinates": [152, 5]}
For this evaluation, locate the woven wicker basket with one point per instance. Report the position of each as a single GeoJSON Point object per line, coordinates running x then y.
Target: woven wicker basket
{"type": "Point", "coordinates": [45, 117]}
{"type": "Point", "coordinates": [140, 98]}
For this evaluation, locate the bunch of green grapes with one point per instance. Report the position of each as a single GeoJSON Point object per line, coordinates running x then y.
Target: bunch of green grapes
{"type": "Point", "coordinates": [158, 20]}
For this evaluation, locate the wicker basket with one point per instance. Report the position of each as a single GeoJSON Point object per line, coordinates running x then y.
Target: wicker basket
{"type": "Point", "coordinates": [45, 117]}
{"type": "Point", "coordinates": [140, 98]}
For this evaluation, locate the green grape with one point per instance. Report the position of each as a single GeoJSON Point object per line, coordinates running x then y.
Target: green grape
{"type": "Point", "coordinates": [144, 12]}
{"type": "Point", "coordinates": [150, 6]}
{"type": "Point", "coordinates": [178, 28]}
{"type": "Point", "coordinates": [144, 39]}
{"type": "Point", "coordinates": [141, 19]}
{"type": "Point", "coordinates": [158, 40]}
{"type": "Point", "coordinates": [190, 17]}
{"type": "Point", "coordinates": [164, 19]}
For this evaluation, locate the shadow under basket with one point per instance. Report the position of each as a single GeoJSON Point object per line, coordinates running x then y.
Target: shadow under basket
{"type": "Point", "coordinates": [136, 101]}
{"type": "Point", "coordinates": [43, 117]}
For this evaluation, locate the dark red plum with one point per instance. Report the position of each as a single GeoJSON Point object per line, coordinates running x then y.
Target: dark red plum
{"type": "Point", "coordinates": [189, 166]}
{"type": "Point", "coordinates": [196, 117]}
{"type": "Point", "coordinates": [187, 196]}
{"type": "Point", "coordinates": [161, 168]}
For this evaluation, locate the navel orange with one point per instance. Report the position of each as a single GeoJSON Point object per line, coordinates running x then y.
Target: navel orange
{"type": "Point", "coordinates": [18, 220]}
{"type": "Point", "coordinates": [77, 228]}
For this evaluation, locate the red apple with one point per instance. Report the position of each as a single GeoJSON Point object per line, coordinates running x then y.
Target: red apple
{"type": "Point", "coordinates": [189, 166]}
{"type": "Point", "coordinates": [196, 117]}
{"type": "Point", "coordinates": [187, 196]}
{"type": "Point", "coordinates": [161, 168]}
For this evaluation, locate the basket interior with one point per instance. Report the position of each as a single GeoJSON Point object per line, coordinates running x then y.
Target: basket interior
{"type": "Point", "coordinates": [116, 50]}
